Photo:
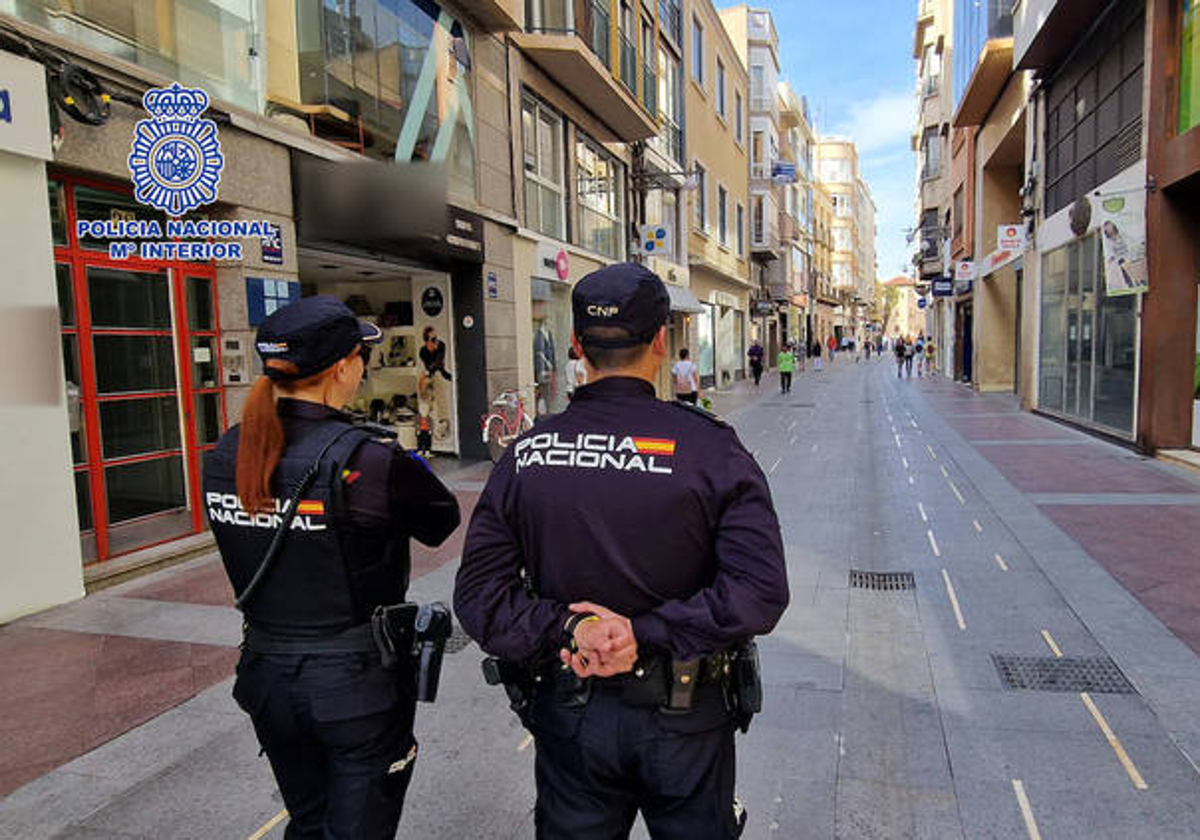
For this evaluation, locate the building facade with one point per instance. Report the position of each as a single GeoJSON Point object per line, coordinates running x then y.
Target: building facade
{"type": "Point", "coordinates": [853, 235]}
{"type": "Point", "coordinates": [155, 359]}
{"type": "Point", "coordinates": [718, 245]}
{"type": "Point", "coordinates": [933, 51]}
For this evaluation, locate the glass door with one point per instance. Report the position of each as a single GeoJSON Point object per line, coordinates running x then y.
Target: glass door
{"type": "Point", "coordinates": [139, 422]}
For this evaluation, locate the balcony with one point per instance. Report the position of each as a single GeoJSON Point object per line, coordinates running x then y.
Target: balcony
{"type": "Point", "coordinates": [764, 226]}
{"type": "Point", "coordinates": [650, 89]}
{"type": "Point", "coordinates": [1045, 30]}
{"type": "Point", "coordinates": [572, 43]}
{"type": "Point", "coordinates": [987, 82]}
{"type": "Point", "coordinates": [669, 142]}
{"type": "Point", "coordinates": [789, 228]}
{"type": "Point", "coordinates": [497, 15]}
{"type": "Point", "coordinates": [776, 281]}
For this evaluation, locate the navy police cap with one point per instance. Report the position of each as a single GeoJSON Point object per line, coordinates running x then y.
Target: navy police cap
{"type": "Point", "coordinates": [625, 295]}
{"type": "Point", "coordinates": [312, 333]}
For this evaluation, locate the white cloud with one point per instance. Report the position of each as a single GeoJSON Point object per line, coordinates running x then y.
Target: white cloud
{"type": "Point", "coordinates": [880, 123]}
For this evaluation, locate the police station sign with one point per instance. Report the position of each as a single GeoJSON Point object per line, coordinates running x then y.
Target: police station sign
{"type": "Point", "coordinates": [175, 162]}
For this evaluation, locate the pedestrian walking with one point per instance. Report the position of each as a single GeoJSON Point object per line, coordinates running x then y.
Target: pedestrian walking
{"type": "Point", "coordinates": [898, 350]}
{"type": "Point", "coordinates": [312, 515]}
{"type": "Point", "coordinates": [910, 351]}
{"type": "Point", "coordinates": [832, 345]}
{"type": "Point", "coordinates": [686, 378]}
{"type": "Point", "coordinates": [787, 366]}
{"type": "Point", "coordinates": [756, 361]}
{"type": "Point", "coordinates": [635, 541]}
{"type": "Point", "coordinates": [816, 351]}
{"type": "Point", "coordinates": [869, 348]}
{"type": "Point", "coordinates": [919, 354]}
{"type": "Point", "coordinates": [931, 357]}
{"type": "Point", "coordinates": [576, 372]}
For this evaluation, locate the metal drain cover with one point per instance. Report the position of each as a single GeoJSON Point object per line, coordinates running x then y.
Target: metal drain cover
{"type": "Point", "coordinates": [458, 640]}
{"type": "Point", "coordinates": [886, 581]}
{"type": "Point", "coordinates": [1097, 674]}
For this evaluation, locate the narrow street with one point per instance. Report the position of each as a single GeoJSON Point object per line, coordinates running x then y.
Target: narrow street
{"type": "Point", "coordinates": [886, 715]}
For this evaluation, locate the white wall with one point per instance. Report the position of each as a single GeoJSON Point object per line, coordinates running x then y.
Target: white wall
{"type": "Point", "coordinates": [40, 565]}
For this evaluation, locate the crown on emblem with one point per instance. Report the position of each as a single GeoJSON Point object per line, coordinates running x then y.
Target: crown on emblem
{"type": "Point", "coordinates": [175, 102]}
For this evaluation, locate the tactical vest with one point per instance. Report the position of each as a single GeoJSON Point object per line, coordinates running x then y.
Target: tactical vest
{"type": "Point", "coordinates": [331, 572]}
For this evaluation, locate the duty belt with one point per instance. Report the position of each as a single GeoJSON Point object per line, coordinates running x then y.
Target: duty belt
{"type": "Point", "coordinates": [357, 639]}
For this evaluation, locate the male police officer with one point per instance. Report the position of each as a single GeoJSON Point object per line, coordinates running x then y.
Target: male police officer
{"type": "Point", "coordinates": [656, 512]}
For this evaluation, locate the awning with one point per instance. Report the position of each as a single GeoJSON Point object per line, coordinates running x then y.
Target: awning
{"type": "Point", "coordinates": [682, 299]}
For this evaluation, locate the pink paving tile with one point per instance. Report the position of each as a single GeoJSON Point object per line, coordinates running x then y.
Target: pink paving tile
{"type": "Point", "coordinates": [1081, 469]}
{"type": "Point", "coordinates": [1151, 549]}
{"type": "Point", "coordinates": [64, 693]}
{"type": "Point", "coordinates": [206, 584]}
{"type": "Point", "coordinates": [1015, 427]}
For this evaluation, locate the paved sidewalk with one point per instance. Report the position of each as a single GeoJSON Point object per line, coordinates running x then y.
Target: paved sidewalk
{"type": "Point", "coordinates": [77, 676]}
{"type": "Point", "coordinates": [1140, 518]}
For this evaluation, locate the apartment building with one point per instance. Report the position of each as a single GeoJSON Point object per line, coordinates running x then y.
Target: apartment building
{"type": "Point", "coordinates": [716, 148]}
{"type": "Point", "coordinates": [853, 232]}
{"type": "Point", "coordinates": [825, 294]}
{"type": "Point", "coordinates": [933, 51]}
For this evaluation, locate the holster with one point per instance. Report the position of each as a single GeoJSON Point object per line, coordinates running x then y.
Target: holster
{"type": "Point", "coordinates": [413, 634]}
{"type": "Point", "coordinates": [744, 690]}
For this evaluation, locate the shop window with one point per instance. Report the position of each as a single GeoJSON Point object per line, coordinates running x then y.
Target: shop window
{"type": "Point", "coordinates": [403, 68]}
{"type": "Point", "coordinates": [551, 313]}
{"type": "Point", "coordinates": [542, 142]}
{"type": "Point", "coordinates": [598, 190]}
{"type": "Point", "coordinates": [706, 341]}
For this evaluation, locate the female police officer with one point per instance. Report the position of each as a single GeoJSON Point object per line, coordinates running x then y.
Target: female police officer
{"type": "Point", "coordinates": [312, 516]}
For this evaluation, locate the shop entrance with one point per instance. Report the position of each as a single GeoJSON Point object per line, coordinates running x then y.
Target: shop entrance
{"type": "Point", "coordinates": [411, 383]}
{"type": "Point", "coordinates": [141, 360]}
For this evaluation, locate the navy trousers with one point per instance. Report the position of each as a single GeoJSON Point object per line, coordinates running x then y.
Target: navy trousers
{"type": "Point", "coordinates": [599, 764]}
{"type": "Point", "coordinates": [337, 729]}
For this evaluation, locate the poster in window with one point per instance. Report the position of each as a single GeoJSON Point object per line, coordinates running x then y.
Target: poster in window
{"type": "Point", "coordinates": [1122, 220]}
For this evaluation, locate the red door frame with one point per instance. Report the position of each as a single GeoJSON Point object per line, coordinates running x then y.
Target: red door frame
{"type": "Point", "coordinates": [79, 260]}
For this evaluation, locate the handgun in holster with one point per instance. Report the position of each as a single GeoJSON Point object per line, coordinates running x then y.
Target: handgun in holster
{"type": "Point", "coordinates": [744, 691]}
{"type": "Point", "coordinates": [415, 633]}
{"type": "Point", "coordinates": [516, 677]}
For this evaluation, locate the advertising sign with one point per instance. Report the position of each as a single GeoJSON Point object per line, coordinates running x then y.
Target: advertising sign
{"type": "Point", "coordinates": [783, 172]}
{"type": "Point", "coordinates": [1122, 220]}
{"type": "Point", "coordinates": [1010, 238]}
{"type": "Point", "coordinates": [964, 271]}
{"type": "Point", "coordinates": [24, 117]}
{"type": "Point", "coordinates": [943, 287]}
{"type": "Point", "coordinates": [654, 239]}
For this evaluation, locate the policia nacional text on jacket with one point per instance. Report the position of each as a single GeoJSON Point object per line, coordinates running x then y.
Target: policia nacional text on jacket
{"type": "Point", "coordinates": [335, 724]}
{"type": "Point", "coordinates": [655, 515]}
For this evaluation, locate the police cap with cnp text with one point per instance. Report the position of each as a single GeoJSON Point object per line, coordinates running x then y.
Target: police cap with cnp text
{"type": "Point", "coordinates": [312, 333]}
{"type": "Point", "coordinates": [628, 296]}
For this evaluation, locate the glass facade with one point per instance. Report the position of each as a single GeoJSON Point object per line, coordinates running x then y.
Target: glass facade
{"type": "Point", "coordinates": [975, 23]}
{"type": "Point", "coordinates": [404, 67]}
{"type": "Point", "coordinates": [208, 43]}
{"type": "Point", "coordinates": [1088, 342]}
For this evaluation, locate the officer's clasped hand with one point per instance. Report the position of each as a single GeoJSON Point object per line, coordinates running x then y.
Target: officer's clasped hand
{"type": "Point", "coordinates": [605, 647]}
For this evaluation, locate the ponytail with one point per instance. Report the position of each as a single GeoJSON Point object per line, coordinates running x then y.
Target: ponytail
{"type": "Point", "coordinates": [261, 442]}
{"type": "Point", "coordinates": [259, 447]}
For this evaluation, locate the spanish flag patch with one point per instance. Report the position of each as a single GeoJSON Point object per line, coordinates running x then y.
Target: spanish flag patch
{"type": "Point", "coordinates": [654, 446]}
{"type": "Point", "coordinates": [311, 508]}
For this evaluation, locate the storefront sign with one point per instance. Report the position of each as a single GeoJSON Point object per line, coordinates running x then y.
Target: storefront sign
{"type": "Point", "coordinates": [996, 260]}
{"type": "Point", "coordinates": [432, 302]}
{"type": "Point", "coordinates": [24, 117]}
{"type": "Point", "coordinates": [964, 270]}
{"type": "Point", "coordinates": [943, 287]}
{"type": "Point", "coordinates": [272, 247]}
{"type": "Point", "coordinates": [465, 233]}
{"type": "Point", "coordinates": [922, 303]}
{"type": "Point", "coordinates": [765, 307]}
{"type": "Point", "coordinates": [553, 263]}
{"type": "Point", "coordinates": [493, 285]}
{"type": "Point", "coordinates": [654, 239]}
{"type": "Point", "coordinates": [1122, 220]}
{"type": "Point", "coordinates": [1010, 238]}
{"type": "Point", "coordinates": [783, 172]}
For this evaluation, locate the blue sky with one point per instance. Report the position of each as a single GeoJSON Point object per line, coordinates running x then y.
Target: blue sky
{"type": "Point", "coordinates": [853, 60]}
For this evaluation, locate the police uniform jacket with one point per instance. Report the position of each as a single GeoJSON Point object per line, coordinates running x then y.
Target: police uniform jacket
{"type": "Point", "coordinates": [649, 508]}
{"type": "Point", "coordinates": [347, 550]}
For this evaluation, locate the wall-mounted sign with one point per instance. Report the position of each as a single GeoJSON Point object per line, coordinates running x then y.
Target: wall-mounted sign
{"type": "Point", "coordinates": [468, 322]}
{"type": "Point", "coordinates": [922, 302]}
{"type": "Point", "coordinates": [964, 270]}
{"type": "Point", "coordinates": [24, 117]}
{"type": "Point", "coordinates": [264, 295]}
{"type": "Point", "coordinates": [272, 246]}
{"type": "Point", "coordinates": [432, 301]}
{"type": "Point", "coordinates": [1122, 220]}
{"type": "Point", "coordinates": [493, 285]}
{"type": "Point", "coordinates": [654, 239]}
{"type": "Point", "coordinates": [943, 287]}
{"type": "Point", "coordinates": [1010, 238]}
{"type": "Point", "coordinates": [553, 263]}
{"type": "Point", "coordinates": [783, 172]}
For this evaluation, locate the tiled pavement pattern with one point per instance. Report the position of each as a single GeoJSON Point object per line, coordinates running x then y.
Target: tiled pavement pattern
{"type": "Point", "coordinates": [885, 717]}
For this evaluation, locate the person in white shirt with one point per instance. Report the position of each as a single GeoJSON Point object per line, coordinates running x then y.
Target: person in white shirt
{"type": "Point", "coordinates": [686, 378]}
{"type": "Point", "coordinates": [576, 372]}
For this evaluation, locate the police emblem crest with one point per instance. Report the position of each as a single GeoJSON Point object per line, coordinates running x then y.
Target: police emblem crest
{"type": "Point", "coordinates": [176, 158]}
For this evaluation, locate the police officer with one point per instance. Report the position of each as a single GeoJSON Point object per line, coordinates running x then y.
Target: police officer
{"type": "Point", "coordinates": [619, 553]}
{"type": "Point", "coordinates": [312, 515]}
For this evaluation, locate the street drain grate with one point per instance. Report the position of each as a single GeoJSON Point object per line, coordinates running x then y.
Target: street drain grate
{"type": "Point", "coordinates": [1097, 674]}
{"type": "Point", "coordinates": [458, 640]}
{"type": "Point", "coordinates": [885, 581]}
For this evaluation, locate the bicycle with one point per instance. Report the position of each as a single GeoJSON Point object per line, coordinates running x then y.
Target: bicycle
{"type": "Point", "coordinates": [502, 426]}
